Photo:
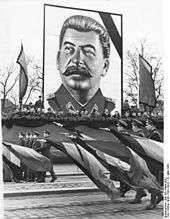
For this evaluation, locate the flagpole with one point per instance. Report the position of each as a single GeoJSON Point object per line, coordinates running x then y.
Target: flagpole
{"type": "Point", "coordinates": [138, 104]}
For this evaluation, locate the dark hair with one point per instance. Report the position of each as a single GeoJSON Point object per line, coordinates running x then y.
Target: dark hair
{"type": "Point", "coordinates": [87, 24]}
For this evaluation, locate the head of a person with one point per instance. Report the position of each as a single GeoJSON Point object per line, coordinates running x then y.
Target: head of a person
{"type": "Point", "coordinates": [83, 57]}
{"type": "Point", "coordinates": [136, 125]}
{"type": "Point", "coordinates": [127, 114]}
{"type": "Point", "coordinates": [121, 126]}
{"type": "Point", "coordinates": [21, 135]}
{"type": "Point", "coordinates": [28, 135]}
{"type": "Point", "coordinates": [36, 135]}
{"type": "Point", "coordinates": [150, 125]}
{"type": "Point", "coordinates": [46, 133]}
{"type": "Point", "coordinates": [40, 97]}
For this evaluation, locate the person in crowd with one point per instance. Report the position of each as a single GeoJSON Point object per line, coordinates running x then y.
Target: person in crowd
{"type": "Point", "coordinates": [153, 132]}
{"type": "Point", "coordinates": [38, 104]}
{"type": "Point", "coordinates": [45, 150]}
{"type": "Point", "coordinates": [137, 128]}
{"type": "Point", "coordinates": [126, 105]}
{"type": "Point", "coordinates": [27, 139]}
{"type": "Point", "coordinates": [116, 115]}
{"type": "Point", "coordinates": [36, 145]}
{"type": "Point", "coordinates": [21, 137]}
{"type": "Point", "coordinates": [122, 127]}
{"type": "Point", "coordinates": [106, 113]}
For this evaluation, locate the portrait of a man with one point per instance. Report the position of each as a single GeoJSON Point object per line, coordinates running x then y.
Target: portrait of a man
{"type": "Point", "coordinates": [82, 61]}
{"type": "Point", "coordinates": [82, 67]}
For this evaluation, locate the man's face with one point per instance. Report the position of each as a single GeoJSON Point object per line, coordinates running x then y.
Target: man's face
{"type": "Point", "coordinates": [148, 126]}
{"type": "Point", "coordinates": [46, 135]}
{"type": "Point", "coordinates": [80, 60]}
{"type": "Point", "coordinates": [120, 128]}
{"type": "Point", "coordinates": [134, 127]}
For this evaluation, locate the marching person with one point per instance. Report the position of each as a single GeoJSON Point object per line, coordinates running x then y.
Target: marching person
{"type": "Point", "coordinates": [137, 130]}
{"type": "Point", "coordinates": [21, 137]}
{"type": "Point", "coordinates": [122, 127]}
{"type": "Point", "coordinates": [156, 197]}
{"type": "Point", "coordinates": [45, 150]}
{"type": "Point", "coordinates": [36, 145]}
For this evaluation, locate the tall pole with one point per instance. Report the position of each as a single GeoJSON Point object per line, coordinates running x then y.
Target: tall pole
{"type": "Point", "coordinates": [122, 65]}
{"type": "Point", "coordinates": [43, 54]}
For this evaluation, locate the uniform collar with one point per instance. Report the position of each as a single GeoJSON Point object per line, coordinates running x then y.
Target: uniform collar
{"type": "Point", "coordinates": [67, 100]}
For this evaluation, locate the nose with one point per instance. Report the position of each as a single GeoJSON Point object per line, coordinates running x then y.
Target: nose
{"type": "Point", "coordinates": [78, 56]}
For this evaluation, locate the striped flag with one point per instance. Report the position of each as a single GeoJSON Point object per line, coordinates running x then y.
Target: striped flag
{"type": "Point", "coordinates": [29, 157]}
{"type": "Point", "coordinates": [12, 162]}
{"type": "Point", "coordinates": [7, 173]}
{"type": "Point", "coordinates": [146, 83]}
{"type": "Point", "coordinates": [23, 76]}
{"type": "Point", "coordinates": [11, 157]}
{"type": "Point", "coordinates": [148, 151]}
{"type": "Point", "coordinates": [137, 171]}
{"type": "Point", "coordinates": [88, 164]}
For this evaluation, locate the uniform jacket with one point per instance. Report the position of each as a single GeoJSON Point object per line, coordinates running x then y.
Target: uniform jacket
{"type": "Point", "coordinates": [36, 145]}
{"type": "Point", "coordinates": [62, 100]}
{"type": "Point", "coordinates": [45, 149]}
{"type": "Point", "coordinates": [21, 142]}
{"type": "Point", "coordinates": [154, 135]}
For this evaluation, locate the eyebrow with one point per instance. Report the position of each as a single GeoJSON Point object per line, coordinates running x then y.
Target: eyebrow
{"type": "Point", "coordinates": [84, 46]}
{"type": "Point", "coordinates": [67, 42]}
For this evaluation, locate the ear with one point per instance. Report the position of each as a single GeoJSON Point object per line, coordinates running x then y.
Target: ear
{"type": "Point", "coordinates": [57, 60]}
{"type": "Point", "coordinates": [105, 67]}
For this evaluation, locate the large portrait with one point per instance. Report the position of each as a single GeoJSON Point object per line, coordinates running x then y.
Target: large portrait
{"type": "Point", "coordinates": [82, 59]}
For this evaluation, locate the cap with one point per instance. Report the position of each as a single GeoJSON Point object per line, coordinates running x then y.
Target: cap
{"type": "Point", "coordinates": [46, 131]}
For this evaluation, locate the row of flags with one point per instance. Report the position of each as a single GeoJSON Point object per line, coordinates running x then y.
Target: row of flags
{"type": "Point", "coordinates": [133, 160]}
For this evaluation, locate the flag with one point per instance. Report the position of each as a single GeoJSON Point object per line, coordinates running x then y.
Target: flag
{"type": "Point", "coordinates": [126, 165]}
{"type": "Point", "coordinates": [137, 173]}
{"type": "Point", "coordinates": [146, 83]}
{"type": "Point", "coordinates": [11, 157]}
{"type": "Point", "coordinates": [23, 76]}
{"type": "Point", "coordinates": [29, 157]}
{"type": "Point", "coordinates": [7, 173]}
{"type": "Point", "coordinates": [88, 164]}
{"type": "Point", "coordinates": [146, 150]}
{"type": "Point", "coordinates": [12, 162]}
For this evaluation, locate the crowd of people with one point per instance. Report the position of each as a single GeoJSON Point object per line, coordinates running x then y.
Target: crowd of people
{"type": "Point", "coordinates": [33, 140]}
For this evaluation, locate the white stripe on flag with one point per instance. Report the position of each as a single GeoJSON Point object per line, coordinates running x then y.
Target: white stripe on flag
{"type": "Point", "coordinates": [11, 157]}
{"type": "Point", "coordinates": [152, 148]}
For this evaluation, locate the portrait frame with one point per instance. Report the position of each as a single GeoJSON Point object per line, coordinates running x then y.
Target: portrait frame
{"type": "Point", "coordinates": [116, 41]}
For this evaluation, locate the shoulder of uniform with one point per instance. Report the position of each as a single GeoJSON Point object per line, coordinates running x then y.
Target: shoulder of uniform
{"type": "Point", "coordinates": [50, 96]}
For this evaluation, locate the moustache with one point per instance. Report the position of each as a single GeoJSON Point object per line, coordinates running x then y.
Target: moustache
{"type": "Point", "coordinates": [79, 70]}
